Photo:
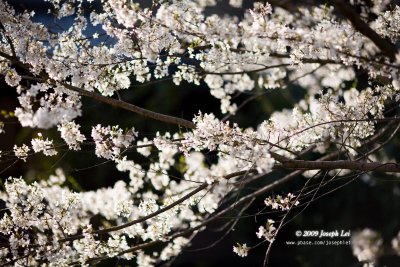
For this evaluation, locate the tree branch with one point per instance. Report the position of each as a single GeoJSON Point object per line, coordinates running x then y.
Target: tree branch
{"type": "Point", "coordinates": [130, 107]}
{"type": "Point", "coordinates": [110, 101]}
{"type": "Point", "coordinates": [323, 160]}
{"type": "Point", "coordinates": [348, 11]}
{"type": "Point", "coordinates": [144, 218]}
{"type": "Point", "coordinates": [339, 164]}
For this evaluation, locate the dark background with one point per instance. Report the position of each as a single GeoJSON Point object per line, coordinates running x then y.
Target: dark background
{"type": "Point", "coordinates": [373, 201]}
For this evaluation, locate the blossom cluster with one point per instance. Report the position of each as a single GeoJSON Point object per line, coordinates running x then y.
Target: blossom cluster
{"type": "Point", "coordinates": [39, 145]}
{"type": "Point", "coordinates": [71, 135]}
{"type": "Point", "coordinates": [268, 232]}
{"type": "Point", "coordinates": [241, 250]}
{"type": "Point", "coordinates": [50, 212]}
{"type": "Point", "coordinates": [214, 45]}
{"type": "Point", "coordinates": [110, 141]}
{"type": "Point", "coordinates": [242, 147]}
{"type": "Point", "coordinates": [265, 49]}
{"type": "Point", "coordinates": [279, 202]}
{"type": "Point", "coordinates": [367, 246]}
{"type": "Point", "coordinates": [43, 214]}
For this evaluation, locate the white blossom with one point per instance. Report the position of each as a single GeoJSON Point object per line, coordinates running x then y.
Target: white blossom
{"type": "Point", "coordinates": [268, 232]}
{"type": "Point", "coordinates": [21, 152]}
{"type": "Point", "coordinates": [396, 243]}
{"type": "Point", "coordinates": [110, 141]}
{"type": "Point", "coordinates": [366, 245]}
{"type": "Point", "coordinates": [238, 57]}
{"type": "Point", "coordinates": [283, 203]}
{"type": "Point", "coordinates": [45, 146]}
{"type": "Point", "coordinates": [241, 250]}
{"type": "Point", "coordinates": [144, 147]}
{"type": "Point", "coordinates": [12, 78]}
{"type": "Point", "coordinates": [71, 134]}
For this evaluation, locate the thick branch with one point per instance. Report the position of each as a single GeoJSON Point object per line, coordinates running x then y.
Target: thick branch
{"type": "Point", "coordinates": [154, 214]}
{"type": "Point", "coordinates": [110, 101]}
{"type": "Point", "coordinates": [127, 106]}
{"type": "Point", "coordinates": [144, 218]}
{"type": "Point", "coordinates": [243, 200]}
{"type": "Point", "coordinates": [94, 261]}
{"type": "Point", "coordinates": [339, 164]}
{"type": "Point", "coordinates": [253, 195]}
{"type": "Point", "coordinates": [263, 190]}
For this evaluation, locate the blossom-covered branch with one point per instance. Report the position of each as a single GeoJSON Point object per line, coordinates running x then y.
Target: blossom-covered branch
{"type": "Point", "coordinates": [334, 67]}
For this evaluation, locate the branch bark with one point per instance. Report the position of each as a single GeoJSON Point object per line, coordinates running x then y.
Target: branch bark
{"type": "Point", "coordinates": [339, 164]}
{"type": "Point", "coordinates": [130, 107]}
{"type": "Point", "coordinates": [110, 101]}
{"type": "Point", "coordinates": [142, 219]}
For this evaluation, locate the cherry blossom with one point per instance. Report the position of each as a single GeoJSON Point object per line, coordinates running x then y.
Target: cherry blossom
{"type": "Point", "coordinates": [337, 126]}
